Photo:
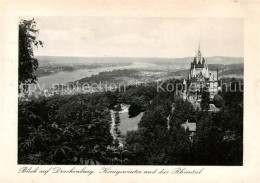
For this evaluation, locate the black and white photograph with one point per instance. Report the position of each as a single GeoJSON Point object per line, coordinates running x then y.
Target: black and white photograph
{"type": "Point", "coordinates": [100, 90]}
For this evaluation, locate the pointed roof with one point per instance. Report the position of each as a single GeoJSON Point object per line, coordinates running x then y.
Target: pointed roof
{"type": "Point", "coordinates": [194, 71]}
{"type": "Point", "coordinates": [207, 72]}
{"type": "Point", "coordinates": [190, 125]}
{"type": "Point", "coordinates": [211, 77]}
{"type": "Point", "coordinates": [204, 71]}
{"type": "Point", "coordinates": [184, 82]}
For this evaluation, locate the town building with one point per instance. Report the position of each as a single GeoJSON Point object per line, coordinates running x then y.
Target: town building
{"type": "Point", "coordinates": [190, 127]}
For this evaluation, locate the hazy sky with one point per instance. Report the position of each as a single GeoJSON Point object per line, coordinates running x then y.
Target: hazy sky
{"type": "Point", "coordinates": [139, 37]}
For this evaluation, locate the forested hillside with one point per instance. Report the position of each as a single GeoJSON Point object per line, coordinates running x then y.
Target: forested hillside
{"type": "Point", "coordinates": [76, 129]}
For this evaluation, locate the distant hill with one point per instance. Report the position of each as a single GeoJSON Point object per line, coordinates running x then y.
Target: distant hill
{"type": "Point", "coordinates": [229, 70]}
{"type": "Point", "coordinates": [209, 60]}
{"type": "Point", "coordinates": [183, 61]}
{"type": "Point", "coordinates": [225, 60]}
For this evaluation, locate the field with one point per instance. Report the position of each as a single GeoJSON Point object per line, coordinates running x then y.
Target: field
{"type": "Point", "coordinates": [129, 124]}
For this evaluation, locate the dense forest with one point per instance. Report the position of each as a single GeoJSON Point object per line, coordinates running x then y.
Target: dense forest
{"type": "Point", "coordinates": [75, 129]}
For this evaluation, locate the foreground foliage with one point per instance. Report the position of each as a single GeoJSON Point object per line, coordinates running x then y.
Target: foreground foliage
{"type": "Point", "coordinates": [28, 64]}
{"type": "Point", "coordinates": [76, 130]}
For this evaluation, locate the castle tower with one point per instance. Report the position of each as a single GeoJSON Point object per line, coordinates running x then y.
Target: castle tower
{"type": "Point", "coordinates": [200, 76]}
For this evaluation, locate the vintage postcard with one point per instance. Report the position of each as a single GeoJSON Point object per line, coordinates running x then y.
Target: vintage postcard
{"type": "Point", "coordinates": [129, 91]}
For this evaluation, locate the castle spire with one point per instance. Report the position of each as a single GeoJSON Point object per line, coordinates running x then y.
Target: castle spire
{"type": "Point", "coordinates": [199, 55]}
{"type": "Point", "coordinates": [207, 72]}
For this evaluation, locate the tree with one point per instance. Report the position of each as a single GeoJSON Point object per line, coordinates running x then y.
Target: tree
{"type": "Point", "coordinates": [147, 144]}
{"type": "Point", "coordinates": [183, 111]}
{"type": "Point", "coordinates": [178, 147]}
{"type": "Point", "coordinates": [205, 99]}
{"type": "Point", "coordinates": [64, 130]}
{"type": "Point", "coordinates": [136, 107]}
{"type": "Point", "coordinates": [118, 107]}
{"type": "Point", "coordinates": [27, 62]}
{"type": "Point", "coordinates": [218, 101]}
{"type": "Point", "coordinates": [117, 118]}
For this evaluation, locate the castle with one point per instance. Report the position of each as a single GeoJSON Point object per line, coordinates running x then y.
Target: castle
{"type": "Point", "coordinates": [200, 77]}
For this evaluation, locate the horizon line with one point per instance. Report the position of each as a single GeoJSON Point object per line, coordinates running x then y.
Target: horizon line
{"type": "Point", "coordinates": [130, 57]}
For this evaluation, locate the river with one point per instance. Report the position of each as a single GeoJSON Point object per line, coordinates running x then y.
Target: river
{"type": "Point", "coordinates": [64, 77]}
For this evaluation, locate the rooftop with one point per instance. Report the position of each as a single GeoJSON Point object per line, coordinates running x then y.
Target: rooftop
{"type": "Point", "coordinates": [191, 126]}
